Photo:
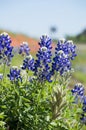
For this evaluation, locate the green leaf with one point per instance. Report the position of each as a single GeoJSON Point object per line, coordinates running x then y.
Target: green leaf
{"type": "Point", "coordinates": [2, 115]}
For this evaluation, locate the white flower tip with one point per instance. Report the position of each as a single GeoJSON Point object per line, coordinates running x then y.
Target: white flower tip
{"type": "Point", "coordinates": [79, 84]}
{"type": "Point", "coordinates": [62, 40]}
{"type": "Point", "coordinates": [44, 49]}
{"type": "Point", "coordinates": [70, 41]}
{"type": "Point", "coordinates": [20, 66]}
{"type": "Point", "coordinates": [25, 43]}
{"type": "Point", "coordinates": [14, 67]}
{"type": "Point", "coordinates": [4, 33]}
{"type": "Point", "coordinates": [1, 74]}
{"type": "Point", "coordinates": [45, 35]}
{"type": "Point", "coordinates": [60, 52]}
{"type": "Point", "coordinates": [29, 57]}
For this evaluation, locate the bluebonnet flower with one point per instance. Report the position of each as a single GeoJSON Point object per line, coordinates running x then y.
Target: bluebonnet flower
{"type": "Point", "coordinates": [28, 63]}
{"type": "Point", "coordinates": [45, 41]}
{"type": "Point", "coordinates": [14, 74]}
{"type": "Point", "coordinates": [65, 52]}
{"type": "Point", "coordinates": [78, 89]}
{"type": "Point", "coordinates": [84, 104]}
{"type": "Point", "coordinates": [42, 67]}
{"type": "Point", "coordinates": [24, 49]}
{"type": "Point", "coordinates": [5, 48]}
{"type": "Point", "coordinates": [83, 119]}
{"type": "Point", "coordinates": [78, 92]}
{"type": "Point", "coordinates": [61, 62]}
{"type": "Point", "coordinates": [1, 76]}
{"type": "Point", "coordinates": [83, 115]}
{"type": "Point", "coordinates": [84, 100]}
{"type": "Point", "coordinates": [67, 47]}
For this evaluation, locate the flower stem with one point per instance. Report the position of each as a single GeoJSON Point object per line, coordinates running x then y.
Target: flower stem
{"type": "Point", "coordinates": [4, 71]}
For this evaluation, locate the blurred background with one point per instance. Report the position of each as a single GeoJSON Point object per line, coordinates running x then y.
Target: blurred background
{"type": "Point", "coordinates": [27, 20]}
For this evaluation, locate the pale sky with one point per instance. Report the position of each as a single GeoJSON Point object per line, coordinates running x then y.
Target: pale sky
{"type": "Point", "coordinates": [35, 17]}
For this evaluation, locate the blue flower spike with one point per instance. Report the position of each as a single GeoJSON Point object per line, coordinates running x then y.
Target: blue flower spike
{"type": "Point", "coordinates": [42, 63]}
{"type": "Point", "coordinates": [24, 49]}
{"type": "Point", "coordinates": [78, 93]}
{"type": "Point", "coordinates": [78, 89]}
{"type": "Point", "coordinates": [28, 63]}
{"type": "Point", "coordinates": [14, 74]}
{"type": "Point", "coordinates": [65, 52]}
{"type": "Point", "coordinates": [5, 48]}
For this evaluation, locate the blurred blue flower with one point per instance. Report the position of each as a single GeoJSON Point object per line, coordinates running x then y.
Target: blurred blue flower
{"type": "Point", "coordinates": [65, 52]}
{"type": "Point", "coordinates": [61, 62]}
{"type": "Point", "coordinates": [28, 63]}
{"type": "Point", "coordinates": [42, 64]}
{"type": "Point", "coordinates": [67, 47]}
{"type": "Point", "coordinates": [84, 104]}
{"type": "Point", "coordinates": [83, 119]}
{"type": "Point", "coordinates": [45, 41]}
{"type": "Point", "coordinates": [1, 76]}
{"type": "Point", "coordinates": [78, 93]}
{"type": "Point", "coordinates": [83, 115]}
{"type": "Point", "coordinates": [84, 100]}
{"type": "Point", "coordinates": [78, 89]}
{"type": "Point", "coordinates": [24, 49]}
{"type": "Point", "coordinates": [84, 107]}
{"type": "Point", "coordinates": [5, 49]}
{"type": "Point", "coordinates": [14, 74]}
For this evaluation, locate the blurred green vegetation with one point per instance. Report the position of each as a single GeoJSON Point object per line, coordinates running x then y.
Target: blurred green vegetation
{"type": "Point", "coordinates": [79, 38]}
{"type": "Point", "coordinates": [79, 64]}
{"type": "Point", "coordinates": [17, 60]}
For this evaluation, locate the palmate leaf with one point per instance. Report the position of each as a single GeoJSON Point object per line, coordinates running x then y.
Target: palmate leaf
{"type": "Point", "coordinates": [59, 102]}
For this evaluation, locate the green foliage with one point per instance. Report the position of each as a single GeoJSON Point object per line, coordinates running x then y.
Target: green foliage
{"type": "Point", "coordinates": [80, 38]}
{"type": "Point", "coordinates": [2, 123]}
{"type": "Point", "coordinates": [80, 76]}
{"type": "Point", "coordinates": [79, 65]}
{"type": "Point", "coordinates": [37, 106]}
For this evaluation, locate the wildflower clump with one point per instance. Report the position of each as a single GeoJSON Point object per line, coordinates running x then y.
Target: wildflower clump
{"type": "Point", "coordinates": [36, 95]}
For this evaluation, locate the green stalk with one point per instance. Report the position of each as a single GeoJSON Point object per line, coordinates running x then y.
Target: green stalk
{"type": "Point", "coordinates": [4, 71]}
{"type": "Point", "coordinates": [27, 77]}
